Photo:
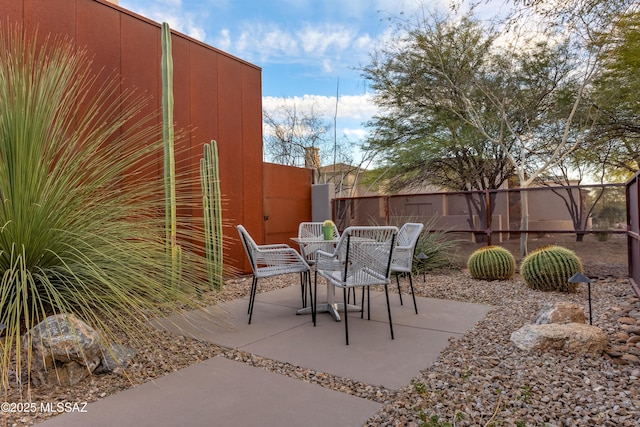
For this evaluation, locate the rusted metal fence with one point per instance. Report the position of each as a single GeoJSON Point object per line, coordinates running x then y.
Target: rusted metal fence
{"type": "Point", "coordinates": [607, 213]}
{"type": "Point", "coordinates": [633, 231]}
{"type": "Point", "coordinates": [495, 215]}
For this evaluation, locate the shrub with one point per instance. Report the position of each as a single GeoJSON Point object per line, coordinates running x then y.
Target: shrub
{"type": "Point", "coordinates": [492, 263]}
{"type": "Point", "coordinates": [549, 268]}
{"type": "Point", "coordinates": [82, 230]}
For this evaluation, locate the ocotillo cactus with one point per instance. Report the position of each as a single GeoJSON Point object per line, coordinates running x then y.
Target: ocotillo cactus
{"type": "Point", "coordinates": [169, 169]}
{"type": "Point", "coordinates": [492, 263]}
{"type": "Point", "coordinates": [212, 206]}
{"type": "Point", "coordinates": [549, 269]}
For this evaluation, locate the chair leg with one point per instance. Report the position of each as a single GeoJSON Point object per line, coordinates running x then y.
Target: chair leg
{"type": "Point", "coordinates": [253, 284]}
{"type": "Point", "coordinates": [313, 304]}
{"type": "Point", "coordinates": [413, 294]}
{"type": "Point", "coordinates": [386, 292]}
{"type": "Point", "coordinates": [399, 292]}
{"type": "Point", "coordinates": [361, 303]}
{"type": "Point", "coordinates": [346, 322]}
{"type": "Point", "coordinates": [315, 291]}
{"type": "Point", "coordinates": [252, 298]}
{"type": "Point", "coordinates": [303, 282]}
{"type": "Point", "coordinates": [368, 302]}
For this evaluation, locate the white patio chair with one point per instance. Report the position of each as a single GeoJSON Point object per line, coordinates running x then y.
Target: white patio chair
{"type": "Point", "coordinates": [404, 253]}
{"type": "Point", "coordinates": [362, 258]}
{"type": "Point", "coordinates": [312, 232]}
{"type": "Point", "coordinates": [273, 260]}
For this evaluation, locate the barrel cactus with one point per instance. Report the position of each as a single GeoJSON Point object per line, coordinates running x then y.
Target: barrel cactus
{"type": "Point", "coordinates": [549, 269]}
{"type": "Point", "coordinates": [492, 263]}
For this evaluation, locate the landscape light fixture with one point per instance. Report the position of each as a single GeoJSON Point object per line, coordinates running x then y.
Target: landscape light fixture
{"type": "Point", "coordinates": [581, 278]}
{"type": "Point", "coordinates": [421, 259]}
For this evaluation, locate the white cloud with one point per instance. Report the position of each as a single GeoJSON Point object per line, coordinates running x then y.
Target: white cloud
{"type": "Point", "coordinates": [189, 22]}
{"type": "Point", "coordinates": [358, 134]}
{"type": "Point", "coordinates": [350, 107]}
{"type": "Point", "coordinates": [352, 110]}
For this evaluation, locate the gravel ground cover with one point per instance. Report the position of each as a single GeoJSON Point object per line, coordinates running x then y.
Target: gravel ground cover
{"type": "Point", "coordinates": [479, 379]}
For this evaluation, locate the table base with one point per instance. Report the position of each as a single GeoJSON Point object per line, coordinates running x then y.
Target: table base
{"type": "Point", "coordinates": [332, 308]}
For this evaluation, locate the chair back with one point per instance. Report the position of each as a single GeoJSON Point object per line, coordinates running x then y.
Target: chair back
{"type": "Point", "coordinates": [313, 230]}
{"type": "Point", "coordinates": [250, 246]}
{"type": "Point", "coordinates": [409, 234]}
{"type": "Point", "coordinates": [366, 253]}
{"type": "Point", "coordinates": [406, 246]}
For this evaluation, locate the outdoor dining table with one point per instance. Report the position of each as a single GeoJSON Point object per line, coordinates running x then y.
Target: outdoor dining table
{"type": "Point", "coordinates": [329, 306]}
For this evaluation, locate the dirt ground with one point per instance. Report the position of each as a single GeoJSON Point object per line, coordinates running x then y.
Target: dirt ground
{"type": "Point", "coordinates": [600, 258]}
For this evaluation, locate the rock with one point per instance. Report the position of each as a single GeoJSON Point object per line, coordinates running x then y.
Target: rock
{"type": "Point", "coordinates": [621, 337]}
{"type": "Point", "coordinates": [632, 358]}
{"type": "Point", "coordinates": [115, 358]}
{"type": "Point", "coordinates": [576, 338]}
{"type": "Point", "coordinates": [64, 349]}
{"type": "Point", "coordinates": [632, 330]}
{"type": "Point", "coordinates": [560, 312]}
{"type": "Point", "coordinates": [627, 320]}
{"type": "Point", "coordinates": [633, 339]}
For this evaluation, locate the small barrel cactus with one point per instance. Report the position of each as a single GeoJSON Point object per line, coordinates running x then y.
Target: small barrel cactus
{"type": "Point", "coordinates": [549, 268]}
{"type": "Point", "coordinates": [492, 263]}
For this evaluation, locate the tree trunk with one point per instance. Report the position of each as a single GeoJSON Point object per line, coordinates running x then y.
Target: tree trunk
{"type": "Point", "coordinates": [524, 223]}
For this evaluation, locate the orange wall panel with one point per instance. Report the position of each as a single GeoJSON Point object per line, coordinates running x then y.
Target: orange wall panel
{"type": "Point", "coordinates": [98, 29]}
{"type": "Point", "coordinates": [287, 201]}
{"type": "Point", "coordinates": [55, 17]}
{"type": "Point", "coordinates": [216, 95]}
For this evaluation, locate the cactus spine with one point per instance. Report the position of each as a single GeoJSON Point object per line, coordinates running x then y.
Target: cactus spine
{"type": "Point", "coordinates": [169, 167]}
{"type": "Point", "coordinates": [492, 263]}
{"type": "Point", "coordinates": [549, 269]}
{"type": "Point", "coordinates": [212, 207]}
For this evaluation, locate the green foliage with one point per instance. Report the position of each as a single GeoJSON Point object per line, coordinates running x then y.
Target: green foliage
{"type": "Point", "coordinates": [82, 228]}
{"type": "Point", "coordinates": [212, 206]}
{"type": "Point", "coordinates": [549, 269]}
{"type": "Point", "coordinates": [432, 421]}
{"type": "Point", "coordinates": [440, 249]}
{"type": "Point", "coordinates": [419, 387]}
{"type": "Point", "coordinates": [492, 263]}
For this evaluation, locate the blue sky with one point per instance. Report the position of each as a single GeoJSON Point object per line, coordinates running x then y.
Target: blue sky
{"type": "Point", "coordinates": [304, 47]}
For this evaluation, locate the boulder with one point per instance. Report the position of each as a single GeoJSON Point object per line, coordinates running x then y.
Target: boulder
{"type": "Point", "coordinates": [576, 338]}
{"type": "Point", "coordinates": [560, 312]}
{"type": "Point", "coordinates": [65, 350]}
{"type": "Point", "coordinates": [115, 358]}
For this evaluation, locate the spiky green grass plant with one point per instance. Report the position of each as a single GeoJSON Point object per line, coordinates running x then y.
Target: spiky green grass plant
{"type": "Point", "coordinates": [81, 201]}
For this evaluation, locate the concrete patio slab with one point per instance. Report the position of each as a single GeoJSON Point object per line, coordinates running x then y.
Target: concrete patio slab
{"type": "Point", "coordinates": [221, 392]}
{"type": "Point", "coordinates": [372, 357]}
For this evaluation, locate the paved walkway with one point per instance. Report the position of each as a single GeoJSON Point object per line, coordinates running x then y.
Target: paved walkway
{"type": "Point", "coordinates": [221, 392]}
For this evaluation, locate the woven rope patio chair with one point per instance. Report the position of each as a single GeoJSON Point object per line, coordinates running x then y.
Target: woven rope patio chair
{"type": "Point", "coordinates": [311, 239]}
{"type": "Point", "coordinates": [273, 260]}
{"type": "Point", "coordinates": [362, 258]}
{"type": "Point", "coordinates": [402, 261]}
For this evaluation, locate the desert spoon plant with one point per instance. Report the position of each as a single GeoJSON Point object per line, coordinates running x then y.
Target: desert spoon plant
{"type": "Point", "coordinates": [81, 202]}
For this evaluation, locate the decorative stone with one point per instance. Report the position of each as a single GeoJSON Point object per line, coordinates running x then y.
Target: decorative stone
{"type": "Point", "coordinates": [631, 358]}
{"type": "Point", "coordinates": [64, 349]}
{"type": "Point", "coordinates": [576, 338]}
{"type": "Point", "coordinates": [560, 312]}
{"type": "Point", "coordinates": [635, 330]}
{"type": "Point", "coordinates": [115, 358]}
{"type": "Point", "coordinates": [621, 337]}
